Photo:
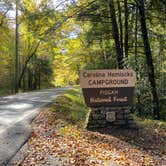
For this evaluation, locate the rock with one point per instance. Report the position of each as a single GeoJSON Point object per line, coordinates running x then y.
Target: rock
{"type": "Point", "coordinates": [110, 116]}
{"type": "Point", "coordinates": [120, 122]}
{"type": "Point", "coordinates": [119, 116]}
{"type": "Point", "coordinates": [98, 116]}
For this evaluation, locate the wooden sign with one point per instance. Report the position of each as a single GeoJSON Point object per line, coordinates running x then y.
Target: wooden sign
{"type": "Point", "coordinates": [108, 87]}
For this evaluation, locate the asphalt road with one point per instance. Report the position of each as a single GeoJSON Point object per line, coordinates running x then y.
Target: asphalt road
{"type": "Point", "coordinates": [16, 115]}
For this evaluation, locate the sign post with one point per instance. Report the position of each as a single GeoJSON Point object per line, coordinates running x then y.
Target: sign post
{"type": "Point", "coordinates": [109, 93]}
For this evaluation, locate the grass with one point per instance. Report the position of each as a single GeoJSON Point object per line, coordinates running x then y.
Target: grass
{"type": "Point", "coordinates": [71, 107]}
{"type": "Point", "coordinates": [5, 92]}
{"type": "Point", "coordinates": [150, 124]}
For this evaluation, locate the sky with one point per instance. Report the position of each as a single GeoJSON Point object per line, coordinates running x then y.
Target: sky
{"type": "Point", "coordinates": [57, 4]}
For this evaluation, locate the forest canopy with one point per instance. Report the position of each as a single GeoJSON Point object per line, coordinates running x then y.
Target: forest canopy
{"type": "Point", "coordinates": [46, 43]}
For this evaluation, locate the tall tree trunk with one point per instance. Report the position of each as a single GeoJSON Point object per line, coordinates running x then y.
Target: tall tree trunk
{"type": "Point", "coordinates": [11, 78]}
{"type": "Point", "coordinates": [120, 26]}
{"type": "Point", "coordinates": [136, 60]}
{"type": "Point", "coordinates": [126, 28]}
{"type": "Point", "coordinates": [24, 83]}
{"type": "Point", "coordinates": [102, 55]}
{"type": "Point", "coordinates": [35, 82]}
{"type": "Point", "coordinates": [26, 63]}
{"type": "Point", "coordinates": [30, 80]}
{"type": "Point", "coordinates": [16, 50]}
{"type": "Point", "coordinates": [39, 80]}
{"type": "Point", "coordinates": [116, 35]}
{"type": "Point", "coordinates": [149, 58]}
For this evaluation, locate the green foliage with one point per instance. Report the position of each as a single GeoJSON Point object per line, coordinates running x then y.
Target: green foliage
{"type": "Point", "coordinates": [54, 45]}
{"type": "Point", "coordinates": [150, 124]}
{"type": "Point", "coordinates": [71, 107]}
{"type": "Point", "coordinates": [6, 56]}
{"type": "Point", "coordinates": [64, 73]}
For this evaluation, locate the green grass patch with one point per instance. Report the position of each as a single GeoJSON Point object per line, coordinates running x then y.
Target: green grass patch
{"type": "Point", "coordinates": [5, 92]}
{"type": "Point", "coordinates": [71, 108]}
{"type": "Point", "coordinates": [150, 124]}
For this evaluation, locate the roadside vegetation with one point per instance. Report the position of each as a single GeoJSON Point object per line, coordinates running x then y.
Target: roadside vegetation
{"type": "Point", "coordinates": [59, 136]}
{"type": "Point", "coordinates": [71, 108]}
{"type": "Point", "coordinates": [46, 43]}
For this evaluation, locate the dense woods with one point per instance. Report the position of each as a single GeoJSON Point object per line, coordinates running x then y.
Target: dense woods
{"type": "Point", "coordinates": [46, 43]}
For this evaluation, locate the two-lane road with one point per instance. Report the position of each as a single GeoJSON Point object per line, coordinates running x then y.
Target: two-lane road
{"type": "Point", "coordinates": [16, 114]}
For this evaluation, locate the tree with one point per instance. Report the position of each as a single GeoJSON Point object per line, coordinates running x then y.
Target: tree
{"type": "Point", "coordinates": [16, 50]}
{"type": "Point", "coordinates": [126, 27]}
{"type": "Point", "coordinates": [116, 35]}
{"type": "Point", "coordinates": [5, 7]}
{"type": "Point", "coordinates": [149, 58]}
{"type": "Point", "coordinates": [84, 35]}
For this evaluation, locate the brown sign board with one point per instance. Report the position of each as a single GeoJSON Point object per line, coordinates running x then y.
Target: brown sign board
{"type": "Point", "coordinates": [108, 87]}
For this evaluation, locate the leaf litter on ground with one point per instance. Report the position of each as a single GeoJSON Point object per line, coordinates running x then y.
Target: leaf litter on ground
{"type": "Point", "coordinates": [55, 142]}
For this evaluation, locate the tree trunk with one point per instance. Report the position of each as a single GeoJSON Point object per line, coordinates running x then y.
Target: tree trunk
{"type": "Point", "coordinates": [24, 83]}
{"type": "Point", "coordinates": [116, 35]}
{"type": "Point", "coordinates": [149, 59]}
{"type": "Point", "coordinates": [16, 50]}
{"type": "Point", "coordinates": [39, 80]}
{"type": "Point", "coordinates": [30, 80]}
{"type": "Point", "coordinates": [35, 82]}
{"type": "Point", "coordinates": [136, 61]}
{"type": "Point", "coordinates": [26, 63]}
{"type": "Point", "coordinates": [120, 26]}
{"type": "Point", "coordinates": [102, 55]}
{"type": "Point", "coordinates": [126, 28]}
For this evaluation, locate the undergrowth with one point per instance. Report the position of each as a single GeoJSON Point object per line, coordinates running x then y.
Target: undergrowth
{"type": "Point", "coordinates": [70, 107]}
